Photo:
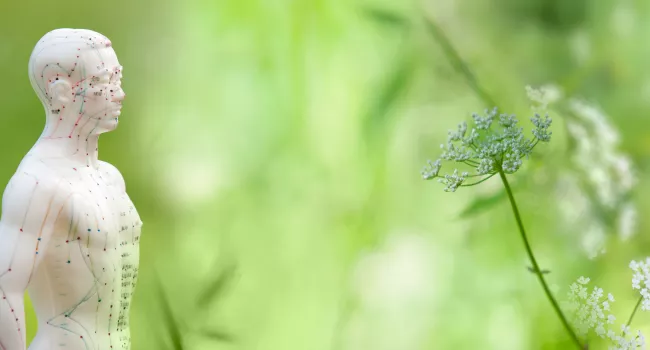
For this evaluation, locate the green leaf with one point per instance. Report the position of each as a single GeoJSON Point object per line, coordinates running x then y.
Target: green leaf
{"type": "Point", "coordinates": [386, 17]}
{"type": "Point", "coordinates": [543, 271]}
{"type": "Point", "coordinates": [481, 204]}
{"type": "Point", "coordinates": [218, 336]}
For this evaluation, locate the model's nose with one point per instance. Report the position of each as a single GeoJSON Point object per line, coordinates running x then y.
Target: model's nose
{"type": "Point", "coordinates": [118, 95]}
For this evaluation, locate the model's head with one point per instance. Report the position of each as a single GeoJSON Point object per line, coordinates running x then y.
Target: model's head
{"type": "Point", "coordinates": [77, 77]}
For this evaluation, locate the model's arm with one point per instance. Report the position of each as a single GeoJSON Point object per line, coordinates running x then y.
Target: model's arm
{"type": "Point", "coordinates": [29, 211]}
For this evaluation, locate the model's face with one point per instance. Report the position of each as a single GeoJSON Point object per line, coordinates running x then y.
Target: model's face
{"type": "Point", "coordinates": [100, 89]}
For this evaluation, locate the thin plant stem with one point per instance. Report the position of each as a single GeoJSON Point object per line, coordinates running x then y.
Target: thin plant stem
{"type": "Point", "coordinates": [476, 183]}
{"type": "Point", "coordinates": [537, 270]}
{"type": "Point", "coordinates": [458, 63]}
{"type": "Point", "coordinates": [638, 303]}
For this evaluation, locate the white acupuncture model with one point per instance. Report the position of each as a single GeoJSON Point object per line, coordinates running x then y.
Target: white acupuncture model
{"type": "Point", "coordinates": [69, 233]}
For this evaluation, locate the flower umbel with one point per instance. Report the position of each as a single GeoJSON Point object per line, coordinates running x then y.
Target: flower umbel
{"type": "Point", "coordinates": [496, 143]}
{"type": "Point", "coordinates": [591, 311]}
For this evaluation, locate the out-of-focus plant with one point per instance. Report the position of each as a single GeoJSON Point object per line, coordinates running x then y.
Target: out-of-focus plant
{"type": "Point", "coordinates": [490, 150]}
{"type": "Point", "coordinates": [595, 188]}
{"type": "Point", "coordinates": [591, 312]}
{"type": "Point", "coordinates": [497, 145]}
{"type": "Point", "coordinates": [177, 329]}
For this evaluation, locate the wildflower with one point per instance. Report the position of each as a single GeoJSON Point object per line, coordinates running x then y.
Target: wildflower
{"type": "Point", "coordinates": [589, 312]}
{"type": "Point", "coordinates": [641, 281]}
{"type": "Point", "coordinates": [600, 180]}
{"type": "Point", "coordinates": [495, 143]}
{"type": "Point", "coordinates": [609, 172]}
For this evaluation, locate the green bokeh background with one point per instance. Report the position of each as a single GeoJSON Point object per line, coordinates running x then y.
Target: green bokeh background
{"type": "Point", "coordinates": [270, 146]}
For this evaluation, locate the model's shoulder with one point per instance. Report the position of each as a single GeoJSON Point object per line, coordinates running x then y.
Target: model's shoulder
{"type": "Point", "coordinates": [36, 191]}
{"type": "Point", "coordinates": [32, 175]}
{"type": "Point", "coordinates": [111, 174]}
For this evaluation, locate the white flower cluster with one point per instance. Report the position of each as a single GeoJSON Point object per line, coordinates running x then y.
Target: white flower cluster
{"type": "Point", "coordinates": [595, 191]}
{"type": "Point", "coordinates": [591, 311]}
{"type": "Point", "coordinates": [641, 281]}
{"type": "Point", "coordinates": [603, 174]}
{"type": "Point", "coordinates": [488, 148]}
{"type": "Point", "coordinates": [608, 171]}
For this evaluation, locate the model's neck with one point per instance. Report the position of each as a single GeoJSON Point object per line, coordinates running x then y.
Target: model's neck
{"type": "Point", "coordinates": [71, 138]}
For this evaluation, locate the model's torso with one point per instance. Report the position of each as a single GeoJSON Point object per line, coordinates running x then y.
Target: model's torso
{"type": "Point", "coordinates": [82, 289]}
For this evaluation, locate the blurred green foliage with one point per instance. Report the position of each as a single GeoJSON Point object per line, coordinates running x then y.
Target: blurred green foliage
{"type": "Point", "coordinates": [273, 147]}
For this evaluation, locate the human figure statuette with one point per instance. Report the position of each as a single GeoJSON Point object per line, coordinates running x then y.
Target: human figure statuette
{"type": "Point", "coordinates": [69, 234]}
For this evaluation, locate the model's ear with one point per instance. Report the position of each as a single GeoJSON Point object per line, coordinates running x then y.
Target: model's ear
{"type": "Point", "coordinates": [60, 90]}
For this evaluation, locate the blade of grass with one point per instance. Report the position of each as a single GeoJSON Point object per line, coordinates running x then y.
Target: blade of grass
{"type": "Point", "coordinates": [385, 17]}
{"type": "Point", "coordinates": [170, 324]}
{"type": "Point", "coordinates": [219, 336]}
{"type": "Point", "coordinates": [216, 288]}
{"type": "Point", "coordinates": [209, 295]}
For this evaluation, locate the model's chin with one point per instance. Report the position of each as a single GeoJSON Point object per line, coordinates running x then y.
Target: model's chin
{"type": "Point", "coordinates": [108, 125]}
{"type": "Point", "coordinates": [116, 118]}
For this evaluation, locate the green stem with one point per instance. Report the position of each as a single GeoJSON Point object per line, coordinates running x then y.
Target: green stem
{"type": "Point", "coordinates": [638, 303]}
{"type": "Point", "coordinates": [476, 183]}
{"type": "Point", "coordinates": [537, 271]}
{"type": "Point", "coordinates": [457, 61]}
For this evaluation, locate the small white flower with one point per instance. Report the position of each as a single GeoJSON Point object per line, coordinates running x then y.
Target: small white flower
{"type": "Point", "coordinates": [625, 329]}
{"type": "Point", "coordinates": [611, 319]}
{"type": "Point", "coordinates": [583, 280]}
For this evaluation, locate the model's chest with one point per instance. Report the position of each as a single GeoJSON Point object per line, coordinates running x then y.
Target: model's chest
{"type": "Point", "coordinates": [106, 217]}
